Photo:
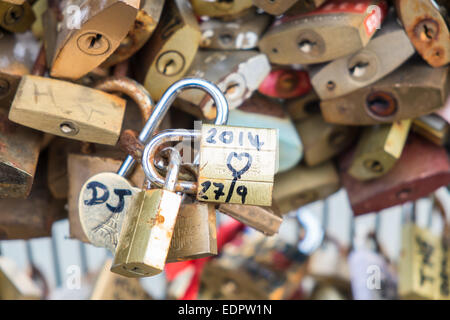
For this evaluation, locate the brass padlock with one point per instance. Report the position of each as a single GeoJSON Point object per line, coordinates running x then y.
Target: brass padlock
{"type": "Point", "coordinates": [285, 84]}
{"type": "Point", "coordinates": [411, 91]}
{"type": "Point", "coordinates": [167, 56]}
{"type": "Point", "coordinates": [237, 73]}
{"type": "Point", "coordinates": [336, 29]}
{"type": "Point", "coordinates": [225, 9]}
{"type": "Point", "coordinates": [427, 26]}
{"type": "Point", "coordinates": [15, 284]}
{"type": "Point", "coordinates": [68, 110]}
{"type": "Point", "coordinates": [322, 140]}
{"type": "Point", "coordinates": [76, 47]}
{"type": "Point", "coordinates": [433, 128]}
{"type": "Point", "coordinates": [379, 149]}
{"type": "Point", "coordinates": [239, 34]}
{"type": "Point", "coordinates": [263, 219]}
{"type": "Point", "coordinates": [16, 17]}
{"type": "Point", "coordinates": [111, 286]}
{"type": "Point", "coordinates": [303, 107]}
{"type": "Point", "coordinates": [317, 183]}
{"type": "Point", "coordinates": [277, 7]}
{"type": "Point", "coordinates": [411, 178]}
{"type": "Point", "coordinates": [146, 21]}
{"type": "Point", "coordinates": [366, 66]}
{"type": "Point", "coordinates": [195, 235]}
{"type": "Point", "coordinates": [148, 227]}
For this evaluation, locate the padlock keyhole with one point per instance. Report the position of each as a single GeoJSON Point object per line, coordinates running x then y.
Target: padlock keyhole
{"type": "Point", "coordinates": [374, 166]}
{"type": "Point", "coordinates": [169, 64]}
{"type": "Point", "coordinates": [381, 105]}
{"type": "Point", "coordinates": [306, 46]}
{"type": "Point", "coordinates": [359, 69]}
{"type": "Point", "coordinates": [94, 41]}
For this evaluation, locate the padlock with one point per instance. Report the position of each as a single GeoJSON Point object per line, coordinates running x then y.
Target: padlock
{"type": "Point", "coordinates": [433, 128]}
{"type": "Point", "coordinates": [411, 91]}
{"type": "Point", "coordinates": [285, 84]}
{"type": "Point", "coordinates": [262, 219]}
{"type": "Point", "coordinates": [303, 107]}
{"type": "Point", "coordinates": [262, 112]}
{"type": "Point", "coordinates": [277, 7]}
{"type": "Point", "coordinates": [86, 39]}
{"type": "Point", "coordinates": [237, 73]}
{"type": "Point", "coordinates": [411, 178]}
{"type": "Point", "coordinates": [15, 284]}
{"type": "Point", "coordinates": [303, 7]}
{"type": "Point", "coordinates": [148, 227]}
{"type": "Point", "coordinates": [39, 8]}
{"type": "Point", "coordinates": [358, 70]}
{"type": "Point", "coordinates": [317, 183]}
{"type": "Point", "coordinates": [237, 164]}
{"type": "Point", "coordinates": [68, 110]}
{"type": "Point", "coordinates": [167, 56]}
{"type": "Point", "coordinates": [195, 234]}
{"type": "Point", "coordinates": [336, 29]}
{"type": "Point", "coordinates": [16, 17]}
{"type": "Point", "coordinates": [225, 9]}
{"type": "Point", "coordinates": [32, 217]}
{"type": "Point", "coordinates": [240, 34]}
{"type": "Point", "coordinates": [378, 150]}
{"type": "Point", "coordinates": [111, 286]}
{"type": "Point", "coordinates": [94, 213]}
{"type": "Point", "coordinates": [418, 262]}
{"type": "Point", "coordinates": [313, 234]}
{"type": "Point", "coordinates": [322, 140]}
{"type": "Point", "coordinates": [146, 20]}
{"type": "Point", "coordinates": [427, 26]}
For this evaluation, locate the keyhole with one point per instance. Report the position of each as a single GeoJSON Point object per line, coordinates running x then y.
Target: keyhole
{"type": "Point", "coordinates": [306, 46]}
{"type": "Point", "coordinates": [169, 63]}
{"type": "Point", "coordinates": [359, 69]}
{"type": "Point", "coordinates": [373, 165]}
{"type": "Point", "coordinates": [429, 33]}
{"type": "Point", "coordinates": [231, 88]}
{"type": "Point", "coordinates": [226, 38]}
{"type": "Point", "coordinates": [94, 42]}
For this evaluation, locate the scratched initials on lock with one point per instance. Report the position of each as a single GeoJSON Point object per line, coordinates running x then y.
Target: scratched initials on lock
{"type": "Point", "coordinates": [237, 165]}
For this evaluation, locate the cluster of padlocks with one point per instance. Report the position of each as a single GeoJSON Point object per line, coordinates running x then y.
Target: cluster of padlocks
{"type": "Point", "coordinates": [295, 99]}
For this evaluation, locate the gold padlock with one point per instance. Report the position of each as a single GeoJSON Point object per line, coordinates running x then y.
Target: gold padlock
{"type": "Point", "coordinates": [378, 150]}
{"type": "Point", "coordinates": [317, 183]}
{"type": "Point", "coordinates": [322, 140]}
{"type": "Point", "coordinates": [148, 228]}
{"type": "Point", "coordinates": [413, 90]}
{"type": "Point", "coordinates": [169, 53]}
{"type": "Point", "coordinates": [15, 284]}
{"type": "Point", "coordinates": [195, 235]}
{"type": "Point", "coordinates": [76, 46]}
{"type": "Point", "coordinates": [225, 9]}
{"type": "Point", "coordinates": [16, 17]}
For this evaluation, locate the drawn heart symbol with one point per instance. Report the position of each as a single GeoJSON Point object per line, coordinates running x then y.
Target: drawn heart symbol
{"type": "Point", "coordinates": [238, 174]}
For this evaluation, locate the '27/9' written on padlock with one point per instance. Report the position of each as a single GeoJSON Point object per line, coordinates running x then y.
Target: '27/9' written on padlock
{"type": "Point", "coordinates": [237, 165]}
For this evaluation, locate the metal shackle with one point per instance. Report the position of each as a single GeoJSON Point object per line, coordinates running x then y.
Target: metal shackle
{"type": "Point", "coordinates": [314, 234]}
{"type": "Point", "coordinates": [170, 135]}
{"type": "Point", "coordinates": [166, 101]}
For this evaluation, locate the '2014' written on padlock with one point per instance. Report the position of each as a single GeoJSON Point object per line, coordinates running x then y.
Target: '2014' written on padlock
{"type": "Point", "coordinates": [237, 165]}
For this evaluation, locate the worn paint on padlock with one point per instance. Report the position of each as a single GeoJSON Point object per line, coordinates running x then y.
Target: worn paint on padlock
{"type": "Point", "coordinates": [80, 168]}
{"type": "Point", "coordinates": [237, 165]}
{"type": "Point", "coordinates": [411, 178]}
{"type": "Point", "coordinates": [68, 110]}
{"type": "Point", "coordinates": [111, 286]}
{"type": "Point", "coordinates": [316, 183]}
{"type": "Point", "coordinates": [240, 34]}
{"type": "Point", "coordinates": [277, 7]}
{"type": "Point", "coordinates": [237, 73]}
{"type": "Point", "coordinates": [146, 21]}
{"type": "Point", "coordinates": [167, 56]}
{"type": "Point", "coordinates": [418, 263]}
{"type": "Point", "coordinates": [80, 46]}
{"type": "Point", "coordinates": [16, 17]}
{"type": "Point", "coordinates": [262, 112]}
{"type": "Point", "coordinates": [322, 140]}
{"type": "Point", "coordinates": [285, 84]}
{"type": "Point", "coordinates": [195, 234]}
{"type": "Point", "coordinates": [427, 28]}
{"type": "Point", "coordinates": [227, 9]}
{"type": "Point", "coordinates": [432, 127]}
{"type": "Point", "coordinates": [411, 91]}
{"type": "Point", "coordinates": [366, 66]}
{"type": "Point", "coordinates": [15, 284]}
{"type": "Point", "coordinates": [378, 149]}
{"type": "Point", "coordinates": [259, 218]}
{"type": "Point", "coordinates": [336, 29]}
{"type": "Point", "coordinates": [303, 107]}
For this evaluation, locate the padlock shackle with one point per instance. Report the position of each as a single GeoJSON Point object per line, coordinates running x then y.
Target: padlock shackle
{"type": "Point", "coordinates": [166, 101]}
{"type": "Point", "coordinates": [170, 135]}
{"type": "Point", "coordinates": [173, 170]}
{"type": "Point", "coordinates": [314, 234]}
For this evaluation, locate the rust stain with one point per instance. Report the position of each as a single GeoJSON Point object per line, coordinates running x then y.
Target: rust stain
{"type": "Point", "coordinates": [160, 218]}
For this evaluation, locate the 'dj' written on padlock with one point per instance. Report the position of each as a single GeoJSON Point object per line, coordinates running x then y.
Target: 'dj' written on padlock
{"type": "Point", "coordinates": [237, 164]}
